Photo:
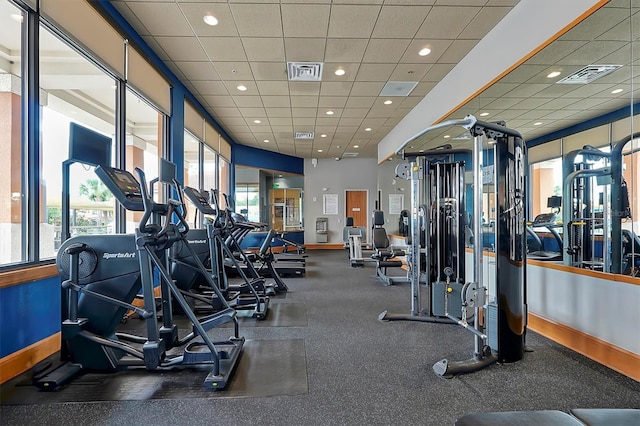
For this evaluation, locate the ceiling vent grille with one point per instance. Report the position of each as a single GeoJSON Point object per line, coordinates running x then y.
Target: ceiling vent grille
{"type": "Point", "coordinates": [303, 135]}
{"type": "Point", "coordinates": [589, 74]}
{"type": "Point", "coordinates": [304, 71]}
{"type": "Point", "coordinates": [350, 154]}
{"type": "Point", "coordinates": [398, 88]}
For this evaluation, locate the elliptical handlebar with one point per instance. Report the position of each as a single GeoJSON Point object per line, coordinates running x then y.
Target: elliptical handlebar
{"type": "Point", "coordinates": [177, 207]}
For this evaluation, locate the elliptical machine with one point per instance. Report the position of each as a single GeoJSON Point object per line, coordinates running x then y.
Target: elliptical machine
{"type": "Point", "coordinates": [101, 276]}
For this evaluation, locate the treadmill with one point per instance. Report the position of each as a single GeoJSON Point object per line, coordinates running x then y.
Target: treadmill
{"type": "Point", "coordinates": [548, 221]}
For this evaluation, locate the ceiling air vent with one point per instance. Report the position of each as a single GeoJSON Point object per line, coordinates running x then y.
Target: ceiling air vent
{"type": "Point", "coordinates": [349, 154]}
{"type": "Point", "coordinates": [398, 88]}
{"type": "Point", "coordinates": [588, 74]}
{"type": "Point", "coordinates": [304, 71]}
{"type": "Point", "coordinates": [303, 135]}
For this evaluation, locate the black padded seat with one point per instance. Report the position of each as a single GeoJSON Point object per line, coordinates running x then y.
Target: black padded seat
{"type": "Point", "coordinates": [520, 418]}
{"type": "Point", "coordinates": [607, 416]}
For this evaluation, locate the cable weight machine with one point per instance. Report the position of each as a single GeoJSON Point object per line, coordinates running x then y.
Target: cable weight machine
{"type": "Point", "coordinates": [438, 225]}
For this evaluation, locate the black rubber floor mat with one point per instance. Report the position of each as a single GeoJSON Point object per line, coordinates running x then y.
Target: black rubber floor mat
{"type": "Point", "coordinates": [266, 368]}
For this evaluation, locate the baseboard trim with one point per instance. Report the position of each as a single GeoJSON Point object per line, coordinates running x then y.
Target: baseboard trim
{"type": "Point", "coordinates": [18, 362]}
{"type": "Point", "coordinates": [324, 246]}
{"type": "Point", "coordinates": [618, 359]}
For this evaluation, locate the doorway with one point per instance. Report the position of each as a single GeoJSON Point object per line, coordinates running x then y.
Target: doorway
{"type": "Point", "coordinates": [356, 207]}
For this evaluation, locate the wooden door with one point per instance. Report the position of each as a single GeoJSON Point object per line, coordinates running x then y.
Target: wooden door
{"type": "Point", "coordinates": [356, 207]}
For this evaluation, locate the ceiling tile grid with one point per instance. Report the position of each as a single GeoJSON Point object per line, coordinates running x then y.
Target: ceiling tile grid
{"type": "Point", "coordinates": [238, 68]}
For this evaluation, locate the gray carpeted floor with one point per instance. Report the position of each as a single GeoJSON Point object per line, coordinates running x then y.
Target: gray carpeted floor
{"type": "Point", "coordinates": [362, 371]}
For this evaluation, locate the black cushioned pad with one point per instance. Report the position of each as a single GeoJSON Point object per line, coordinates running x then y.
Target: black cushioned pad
{"type": "Point", "coordinates": [519, 418]}
{"type": "Point", "coordinates": [607, 416]}
{"type": "Point", "coordinates": [266, 368]}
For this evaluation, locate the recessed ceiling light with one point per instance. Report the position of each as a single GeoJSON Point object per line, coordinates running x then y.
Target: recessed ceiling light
{"type": "Point", "coordinates": [241, 88]}
{"type": "Point", "coordinates": [553, 74]}
{"type": "Point", "coordinates": [368, 129]}
{"type": "Point", "coordinates": [257, 121]}
{"type": "Point", "coordinates": [356, 146]}
{"type": "Point", "coordinates": [210, 20]}
{"type": "Point", "coordinates": [323, 135]}
{"type": "Point", "coordinates": [266, 141]}
{"type": "Point", "coordinates": [484, 114]}
{"type": "Point", "coordinates": [447, 136]}
{"type": "Point", "coordinates": [616, 91]}
{"type": "Point", "coordinates": [537, 123]}
{"type": "Point", "coordinates": [340, 71]}
{"type": "Point", "coordinates": [329, 113]}
{"type": "Point", "coordinates": [339, 146]}
{"type": "Point", "coordinates": [388, 102]}
{"type": "Point", "coordinates": [424, 52]}
{"type": "Point", "coordinates": [422, 150]}
{"type": "Point", "coordinates": [319, 150]}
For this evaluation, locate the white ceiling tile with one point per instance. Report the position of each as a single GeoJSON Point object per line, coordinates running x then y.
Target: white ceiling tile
{"type": "Point", "coordinates": [385, 50]}
{"type": "Point", "coordinates": [253, 112]}
{"type": "Point", "coordinates": [332, 102]}
{"type": "Point", "coordinates": [130, 17]}
{"type": "Point", "coordinates": [308, 113]}
{"type": "Point", "coordinates": [351, 121]}
{"type": "Point", "coordinates": [228, 112]}
{"type": "Point", "coordinates": [182, 48]}
{"type": "Point", "coordinates": [593, 53]}
{"type": "Point", "coordinates": [438, 47]}
{"type": "Point", "coordinates": [304, 49]}
{"type": "Point", "coordinates": [304, 101]}
{"type": "Point", "coordinates": [399, 21]}
{"type": "Point", "coordinates": [304, 88]}
{"type": "Point", "coordinates": [366, 88]}
{"type": "Point", "coordinates": [198, 70]}
{"type": "Point", "coordinates": [257, 20]}
{"type": "Point", "coordinates": [264, 49]}
{"type": "Point", "coordinates": [350, 69]}
{"type": "Point", "coordinates": [217, 101]}
{"type": "Point", "coordinates": [375, 72]}
{"type": "Point", "coordinates": [269, 71]}
{"type": "Point", "coordinates": [276, 101]}
{"type": "Point", "coordinates": [355, 113]}
{"type": "Point", "coordinates": [275, 88]}
{"type": "Point", "coordinates": [409, 72]}
{"type": "Point", "coordinates": [345, 49]}
{"type": "Point", "coordinates": [223, 48]}
{"type": "Point", "coordinates": [280, 121]}
{"type": "Point", "coordinates": [352, 21]}
{"type": "Point", "coordinates": [335, 88]}
{"type": "Point", "coordinates": [237, 71]}
{"type": "Point", "coordinates": [305, 20]}
{"type": "Point", "coordinates": [159, 50]}
{"type": "Point", "coordinates": [195, 13]}
{"type": "Point", "coordinates": [278, 112]}
{"type": "Point", "coordinates": [210, 87]}
{"type": "Point", "coordinates": [248, 101]}
{"type": "Point", "coordinates": [423, 88]}
{"type": "Point", "coordinates": [154, 17]}
{"type": "Point", "coordinates": [361, 101]}
{"type": "Point", "coordinates": [446, 22]}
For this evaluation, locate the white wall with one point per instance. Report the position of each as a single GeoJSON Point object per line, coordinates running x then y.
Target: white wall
{"type": "Point", "coordinates": [337, 177]}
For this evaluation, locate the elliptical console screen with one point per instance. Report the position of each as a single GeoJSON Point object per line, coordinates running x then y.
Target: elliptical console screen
{"type": "Point", "coordinates": [123, 185]}
{"type": "Point", "coordinates": [199, 201]}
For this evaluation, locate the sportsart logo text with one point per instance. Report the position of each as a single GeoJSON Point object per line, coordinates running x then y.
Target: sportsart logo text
{"type": "Point", "coordinates": [197, 241]}
{"type": "Point", "coordinates": [108, 256]}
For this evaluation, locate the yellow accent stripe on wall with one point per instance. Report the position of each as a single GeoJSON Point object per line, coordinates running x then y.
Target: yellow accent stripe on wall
{"type": "Point", "coordinates": [18, 362]}
{"type": "Point", "coordinates": [614, 357]}
{"type": "Point", "coordinates": [26, 275]}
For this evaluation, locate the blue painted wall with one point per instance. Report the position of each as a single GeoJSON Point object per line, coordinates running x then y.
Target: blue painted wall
{"type": "Point", "coordinates": [29, 313]}
{"type": "Point", "coordinates": [254, 157]}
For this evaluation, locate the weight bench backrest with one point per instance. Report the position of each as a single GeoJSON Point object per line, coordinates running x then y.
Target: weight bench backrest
{"type": "Point", "coordinates": [379, 234]}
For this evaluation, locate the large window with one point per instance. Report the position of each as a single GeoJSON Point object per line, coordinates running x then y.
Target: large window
{"type": "Point", "coordinates": [144, 137]}
{"type": "Point", "coordinates": [11, 191]}
{"type": "Point", "coordinates": [210, 168]}
{"type": "Point", "coordinates": [72, 90]}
